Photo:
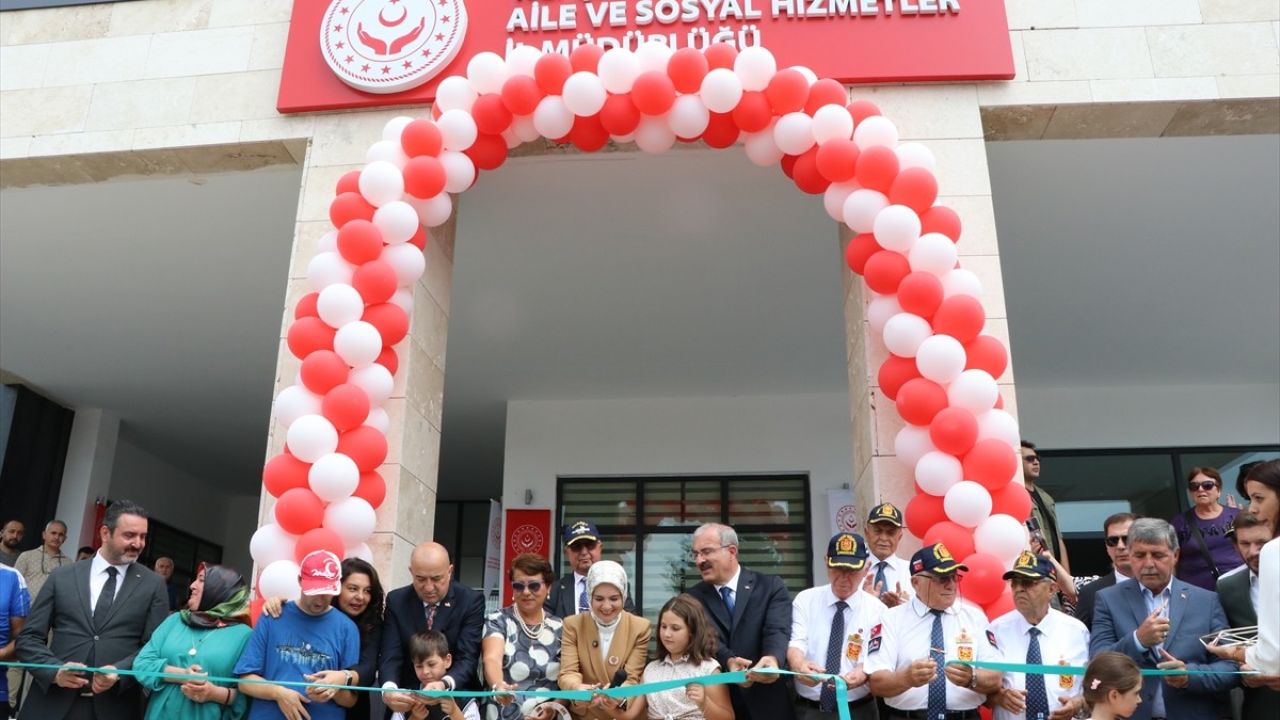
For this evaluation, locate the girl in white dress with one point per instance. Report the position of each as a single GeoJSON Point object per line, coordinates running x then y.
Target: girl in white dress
{"type": "Point", "coordinates": [1112, 686]}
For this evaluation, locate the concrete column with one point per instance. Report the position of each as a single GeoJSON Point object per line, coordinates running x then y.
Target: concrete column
{"type": "Point", "coordinates": [86, 476]}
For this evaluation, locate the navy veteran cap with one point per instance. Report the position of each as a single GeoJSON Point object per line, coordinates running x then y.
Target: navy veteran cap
{"type": "Point", "coordinates": [885, 513]}
{"type": "Point", "coordinates": [581, 530]}
{"type": "Point", "coordinates": [847, 550]}
{"type": "Point", "coordinates": [935, 559]}
{"type": "Point", "coordinates": [1030, 565]}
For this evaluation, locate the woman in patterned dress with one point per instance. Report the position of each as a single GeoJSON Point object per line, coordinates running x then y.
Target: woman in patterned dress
{"type": "Point", "coordinates": [521, 646]}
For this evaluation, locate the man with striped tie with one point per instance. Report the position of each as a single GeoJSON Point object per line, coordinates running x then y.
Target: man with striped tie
{"type": "Point", "coordinates": [583, 546]}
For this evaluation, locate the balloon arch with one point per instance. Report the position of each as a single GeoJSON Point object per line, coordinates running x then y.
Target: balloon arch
{"type": "Point", "coordinates": [941, 370]}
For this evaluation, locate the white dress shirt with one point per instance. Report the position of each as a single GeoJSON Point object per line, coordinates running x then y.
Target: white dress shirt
{"type": "Point", "coordinates": [896, 572]}
{"type": "Point", "coordinates": [905, 638]}
{"type": "Point", "coordinates": [812, 613]}
{"type": "Point", "coordinates": [1063, 641]}
{"type": "Point", "coordinates": [98, 578]}
{"type": "Point", "coordinates": [1265, 655]}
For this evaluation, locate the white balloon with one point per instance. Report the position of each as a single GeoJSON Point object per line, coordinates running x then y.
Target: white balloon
{"type": "Point", "coordinates": [833, 199]}
{"type": "Point", "coordinates": [339, 304]}
{"type": "Point", "coordinates": [403, 298]}
{"type": "Point", "coordinates": [408, 262]}
{"type": "Point", "coordinates": [999, 425]}
{"type": "Point", "coordinates": [487, 71]}
{"type": "Point", "coordinates": [327, 268]}
{"type": "Point", "coordinates": [311, 437]}
{"type": "Point", "coordinates": [455, 93]}
{"type": "Point", "coordinates": [689, 117]}
{"type": "Point", "coordinates": [761, 149]}
{"type": "Point", "coordinates": [361, 551]}
{"type": "Point", "coordinates": [654, 134]}
{"type": "Point", "coordinates": [653, 56]}
{"type": "Point", "coordinates": [911, 444]}
{"type": "Point", "coordinates": [1003, 536]}
{"type": "Point", "coordinates": [510, 137]}
{"type": "Point", "coordinates": [333, 477]}
{"type": "Point", "coordinates": [897, 227]}
{"type": "Point", "coordinates": [915, 155]}
{"type": "Point", "coordinates": [359, 344]}
{"type": "Point", "coordinates": [880, 309]}
{"type": "Point", "coordinates": [618, 69]}
{"type": "Point", "coordinates": [270, 543]}
{"type": "Point", "coordinates": [280, 579]}
{"type": "Point", "coordinates": [434, 211]}
{"type": "Point", "coordinates": [524, 128]}
{"type": "Point", "coordinates": [457, 130]}
{"type": "Point", "coordinates": [552, 117]}
{"type": "Point", "coordinates": [940, 358]}
{"type": "Point", "coordinates": [375, 380]}
{"type": "Point", "coordinates": [387, 151]}
{"type": "Point", "coordinates": [794, 133]}
{"type": "Point", "coordinates": [755, 66]}
{"type": "Point", "coordinates": [961, 282]}
{"type": "Point", "coordinates": [328, 242]}
{"type": "Point", "coordinates": [974, 390]}
{"type": "Point", "coordinates": [876, 130]}
{"type": "Point", "coordinates": [522, 59]}
{"type": "Point", "coordinates": [378, 420]}
{"type": "Point", "coordinates": [721, 90]}
{"type": "Point", "coordinates": [967, 503]}
{"type": "Point", "coordinates": [584, 94]}
{"type": "Point", "coordinates": [937, 472]}
{"type": "Point", "coordinates": [295, 401]}
{"type": "Point", "coordinates": [861, 209]}
{"type": "Point", "coordinates": [904, 333]}
{"type": "Point", "coordinates": [810, 76]}
{"type": "Point", "coordinates": [397, 221]}
{"type": "Point", "coordinates": [395, 127]}
{"type": "Point", "coordinates": [832, 122]}
{"type": "Point", "coordinates": [352, 518]}
{"type": "Point", "coordinates": [624, 139]}
{"type": "Point", "coordinates": [459, 171]}
{"type": "Point", "coordinates": [933, 253]}
{"type": "Point", "coordinates": [381, 183]}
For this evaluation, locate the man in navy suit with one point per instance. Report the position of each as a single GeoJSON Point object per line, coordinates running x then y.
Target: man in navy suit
{"type": "Point", "coordinates": [1158, 621]}
{"type": "Point", "coordinates": [752, 616]}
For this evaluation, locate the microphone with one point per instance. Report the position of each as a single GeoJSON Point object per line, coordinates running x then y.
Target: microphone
{"type": "Point", "coordinates": [619, 678]}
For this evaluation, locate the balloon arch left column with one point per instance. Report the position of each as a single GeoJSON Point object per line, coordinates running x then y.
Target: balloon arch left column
{"type": "Point", "coordinates": [356, 439]}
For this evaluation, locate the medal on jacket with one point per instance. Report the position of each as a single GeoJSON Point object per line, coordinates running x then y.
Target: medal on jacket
{"type": "Point", "coordinates": [1066, 682]}
{"type": "Point", "coordinates": [853, 650]}
{"type": "Point", "coordinates": [964, 645]}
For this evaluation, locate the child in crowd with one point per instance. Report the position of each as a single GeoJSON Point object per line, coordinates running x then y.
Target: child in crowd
{"type": "Point", "coordinates": [1112, 686]}
{"type": "Point", "coordinates": [431, 660]}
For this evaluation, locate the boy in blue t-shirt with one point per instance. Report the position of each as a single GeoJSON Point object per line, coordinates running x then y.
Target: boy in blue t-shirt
{"type": "Point", "coordinates": [15, 604]}
{"type": "Point", "coordinates": [309, 642]}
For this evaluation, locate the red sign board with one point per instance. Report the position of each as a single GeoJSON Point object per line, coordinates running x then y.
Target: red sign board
{"type": "Point", "coordinates": [853, 41]}
{"type": "Point", "coordinates": [527, 531]}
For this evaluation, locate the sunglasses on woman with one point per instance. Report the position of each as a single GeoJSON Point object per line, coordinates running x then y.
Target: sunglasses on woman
{"type": "Point", "coordinates": [532, 587]}
{"type": "Point", "coordinates": [1207, 485]}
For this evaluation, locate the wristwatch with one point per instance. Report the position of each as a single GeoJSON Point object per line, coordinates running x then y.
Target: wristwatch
{"type": "Point", "coordinates": [349, 676]}
{"type": "Point", "coordinates": [973, 680]}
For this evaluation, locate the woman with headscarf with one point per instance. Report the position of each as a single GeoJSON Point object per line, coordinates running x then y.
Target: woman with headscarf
{"type": "Point", "coordinates": [204, 639]}
{"type": "Point", "coordinates": [606, 647]}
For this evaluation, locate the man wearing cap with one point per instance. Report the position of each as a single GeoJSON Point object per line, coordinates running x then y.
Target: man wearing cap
{"type": "Point", "coordinates": [911, 657]}
{"type": "Point", "coordinates": [568, 595]}
{"type": "Point", "coordinates": [830, 627]}
{"type": "Point", "coordinates": [1037, 634]}
{"type": "Point", "coordinates": [888, 577]}
{"type": "Point", "coordinates": [309, 642]}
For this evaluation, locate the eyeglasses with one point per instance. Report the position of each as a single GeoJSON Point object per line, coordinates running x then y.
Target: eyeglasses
{"type": "Point", "coordinates": [532, 587]}
{"type": "Point", "coordinates": [583, 545]}
{"type": "Point", "coordinates": [1114, 540]}
{"type": "Point", "coordinates": [706, 552]}
{"type": "Point", "coordinates": [1031, 458]}
{"type": "Point", "coordinates": [1207, 485]}
{"type": "Point", "coordinates": [948, 579]}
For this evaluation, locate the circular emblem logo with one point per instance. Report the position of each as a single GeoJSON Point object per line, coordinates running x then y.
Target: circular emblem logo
{"type": "Point", "coordinates": [846, 519]}
{"type": "Point", "coordinates": [389, 46]}
{"type": "Point", "coordinates": [527, 539]}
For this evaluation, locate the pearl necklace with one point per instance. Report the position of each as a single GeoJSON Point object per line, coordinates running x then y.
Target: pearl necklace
{"type": "Point", "coordinates": [531, 632]}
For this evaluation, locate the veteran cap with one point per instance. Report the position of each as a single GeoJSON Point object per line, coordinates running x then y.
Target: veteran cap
{"type": "Point", "coordinates": [1030, 565]}
{"type": "Point", "coordinates": [885, 513]}
{"type": "Point", "coordinates": [847, 550]}
{"type": "Point", "coordinates": [581, 530]}
{"type": "Point", "coordinates": [935, 559]}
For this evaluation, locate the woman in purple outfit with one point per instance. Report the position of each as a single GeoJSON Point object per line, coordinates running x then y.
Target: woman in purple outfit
{"type": "Point", "coordinates": [1206, 552]}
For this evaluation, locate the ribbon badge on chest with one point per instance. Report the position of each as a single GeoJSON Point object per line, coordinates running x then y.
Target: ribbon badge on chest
{"type": "Point", "coordinates": [853, 650]}
{"type": "Point", "coordinates": [964, 645]}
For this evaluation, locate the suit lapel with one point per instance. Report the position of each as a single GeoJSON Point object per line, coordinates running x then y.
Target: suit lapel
{"type": "Point", "coordinates": [619, 646]}
{"type": "Point", "coordinates": [82, 587]}
{"type": "Point", "coordinates": [1136, 603]}
{"type": "Point", "coordinates": [132, 579]}
{"type": "Point", "coordinates": [712, 601]}
{"type": "Point", "coordinates": [444, 611]}
{"type": "Point", "coordinates": [590, 635]}
{"type": "Point", "coordinates": [1177, 604]}
{"type": "Point", "coordinates": [746, 581]}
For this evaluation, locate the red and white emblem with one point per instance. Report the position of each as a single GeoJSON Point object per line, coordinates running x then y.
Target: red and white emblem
{"type": "Point", "coordinates": [388, 46]}
{"type": "Point", "coordinates": [527, 539]}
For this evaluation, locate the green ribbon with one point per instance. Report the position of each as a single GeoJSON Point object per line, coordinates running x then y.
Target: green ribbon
{"type": "Point", "coordinates": [1079, 670]}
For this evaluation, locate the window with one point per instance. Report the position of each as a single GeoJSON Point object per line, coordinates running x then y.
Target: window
{"type": "Point", "coordinates": [647, 523]}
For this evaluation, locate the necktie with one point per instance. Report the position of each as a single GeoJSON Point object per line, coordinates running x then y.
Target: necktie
{"type": "Point", "coordinates": [835, 645]}
{"type": "Point", "coordinates": [105, 599]}
{"type": "Point", "coordinates": [431, 615]}
{"type": "Point", "coordinates": [882, 584]}
{"type": "Point", "coordinates": [1037, 697]}
{"type": "Point", "coordinates": [727, 595]}
{"type": "Point", "coordinates": [938, 685]}
{"type": "Point", "coordinates": [583, 604]}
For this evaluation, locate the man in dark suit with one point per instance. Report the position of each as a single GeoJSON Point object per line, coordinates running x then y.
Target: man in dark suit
{"type": "Point", "coordinates": [1115, 533]}
{"type": "Point", "coordinates": [101, 611]}
{"type": "Point", "coordinates": [1238, 591]}
{"type": "Point", "coordinates": [1158, 621]}
{"type": "Point", "coordinates": [568, 595]}
{"type": "Point", "coordinates": [434, 601]}
{"type": "Point", "coordinates": [751, 612]}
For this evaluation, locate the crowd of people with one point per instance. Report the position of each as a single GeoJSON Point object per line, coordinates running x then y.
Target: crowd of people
{"type": "Point", "coordinates": [897, 631]}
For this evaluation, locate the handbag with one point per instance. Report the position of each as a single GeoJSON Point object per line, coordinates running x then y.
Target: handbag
{"type": "Point", "coordinates": [1194, 526]}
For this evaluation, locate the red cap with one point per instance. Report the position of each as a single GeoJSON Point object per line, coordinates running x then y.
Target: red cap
{"type": "Point", "coordinates": [321, 574]}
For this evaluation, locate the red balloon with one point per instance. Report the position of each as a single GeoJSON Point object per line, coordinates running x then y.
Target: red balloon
{"type": "Point", "coordinates": [488, 152]}
{"type": "Point", "coordinates": [914, 187]}
{"type": "Point", "coordinates": [306, 306]}
{"type": "Point", "coordinates": [920, 400]}
{"type": "Point", "coordinates": [861, 110]}
{"type": "Point", "coordinates": [299, 510]}
{"type": "Point", "coordinates": [984, 581]}
{"type": "Point", "coordinates": [954, 430]}
{"type": "Point", "coordinates": [391, 321]}
{"type": "Point", "coordinates": [805, 173]}
{"type": "Point", "coordinates": [788, 165]}
{"type": "Point", "coordinates": [687, 67]}
{"type": "Point", "coordinates": [885, 270]}
{"type": "Point", "coordinates": [551, 70]}
{"type": "Point", "coordinates": [986, 353]}
{"type": "Point", "coordinates": [588, 133]}
{"type": "Point", "coordinates": [375, 281]}
{"type": "Point", "coordinates": [389, 360]}
{"type": "Point", "coordinates": [1002, 605]}
{"type": "Point", "coordinates": [653, 93]}
{"type": "Point", "coordinates": [359, 242]}
{"type": "Point", "coordinates": [991, 463]}
{"type": "Point", "coordinates": [721, 131]}
{"type": "Point", "coordinates": [859, 250]}
{"type": "Point", "coordinates": [586, 57]}
{"type": "Point", "coordinates": [720, 55]}
{"type": "Point", "coordinates": [349, 206]}
{"type": "Point", "coordinates": [423, 177]}
{"type": "Point", "coordinates": [894, 373]}
{"type": "Point", "coordinates": [752, 113]}
{"type": "Point", "coordinates": [364, 445]}
{"type": "Point", "coordinates": [1012, 500]}
{"type": "Point", "coordinates": [283, 473]}
{"type": "Point", "coordinates": [961, 317]}
{"type": "Point", "coordinates": [323, 370]}
{"type": "Point", "coordinates": [619, 115]}
{"type": "Point", "coordinates": [372, 488]}
{"type": "Point", "coordinates": [941, 219]}
{"type": "Point", "coordinates": [255, 608]}
{"type": "Point", "coordinates": [349, 182]}
{"type": "Point", "coordinates": [307, 335]}
{"type": "Point", "coordinates": [436, 112]}
{"type": "Point", "coordinates": [787, 91]}
{"type": "Point", "coordinates": [319, 539]}
{"type": "Point", "coordinates": [421, 137]}
{"type": "Point", "coordinates": [838, 159]}
{"type": "Point", "coordinates": [923, 512]}
{"type": "Point", "coordinates": [491, 114]}
{"type": "Point", "coordinates": [825, 92]}
{"type": "Point", "coordinates": [346, 406]}
{"type": "Point", "coordinates": [877, 167]}
{"type": "Point", "coordinates": [521, 94]}
{"type": "Point", "coordinates": [957, 538]}
{"type": "Point", "coordinates": [419, 239]}
{"type": "Point", "coordinates": [999, 401]}
{"type": "Point", "coordinates": [920, 293]}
